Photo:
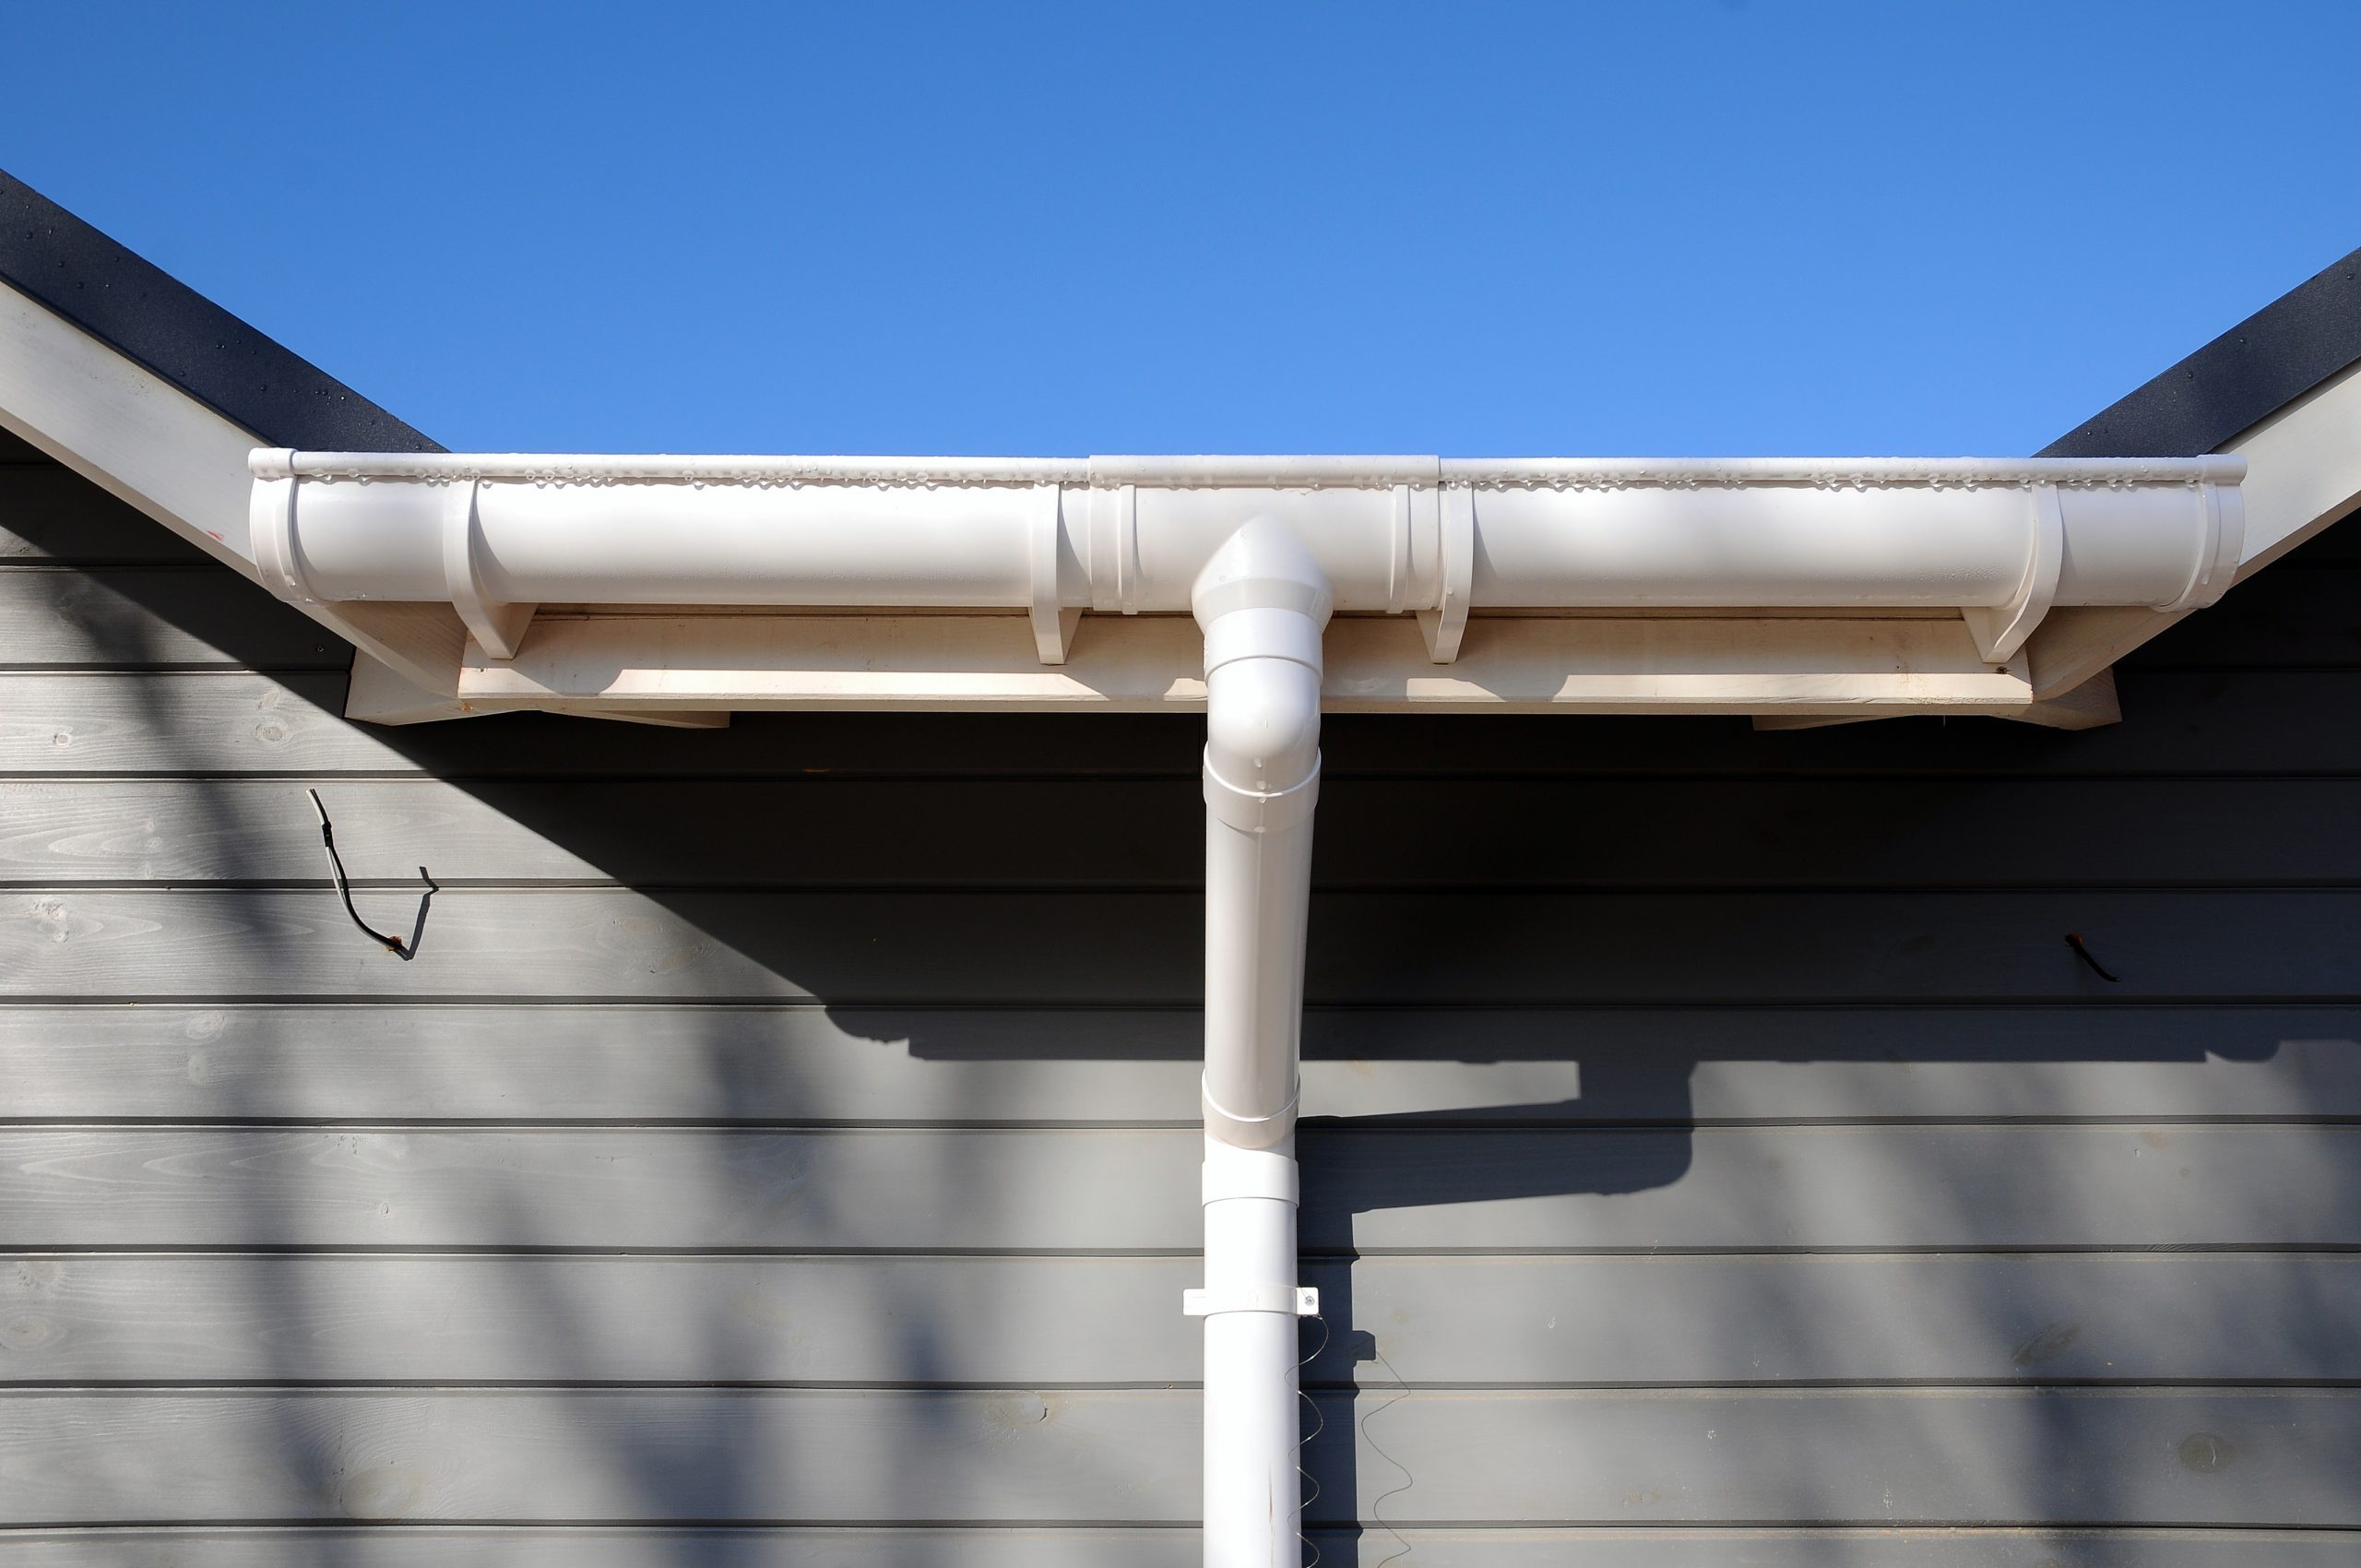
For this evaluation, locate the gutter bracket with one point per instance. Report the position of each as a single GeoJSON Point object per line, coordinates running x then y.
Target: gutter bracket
{"type": "Point", "coordinates": [499, 628]}
{"type": "Point", "coordinates": [1053, 623]}
{"type": "Point", "coordinates": [2000, 630]}
{"type": "Point", "coordinates": [1446, 623]}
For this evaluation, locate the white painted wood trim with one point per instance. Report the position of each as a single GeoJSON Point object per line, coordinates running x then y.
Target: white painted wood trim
{"type": "Point", "coordinates": [138, 437]}
{"type": "Point", "coordinates": [131, 433]}
{"type": "Point", "coordinates": [378, 694]}
{"type": "Point", "coordinates": [2303, 474]}
{"type": "Point", "coordinates": [1589, 664]}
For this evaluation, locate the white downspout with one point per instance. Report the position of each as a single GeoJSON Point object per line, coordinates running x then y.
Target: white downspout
{"type": "Point", "coordinates": [1263, 602]}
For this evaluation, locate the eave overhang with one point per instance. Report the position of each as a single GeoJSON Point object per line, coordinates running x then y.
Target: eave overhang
{"type": "Point", "coordinates": [1795, 588]}
{"type": "Point", "coordinates": [159, 397]}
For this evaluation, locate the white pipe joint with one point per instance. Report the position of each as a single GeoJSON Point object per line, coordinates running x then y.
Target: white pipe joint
{"type": "Point", "coordinates": [1263, 731]}
{"type": "Point", "coordinates": [1243, 1279]}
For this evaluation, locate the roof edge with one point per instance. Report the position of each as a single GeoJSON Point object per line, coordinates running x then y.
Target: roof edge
{"type": "Point", "coordinates": [2241, 378]}
{"type": "Point", "coordinates": [143, 314]}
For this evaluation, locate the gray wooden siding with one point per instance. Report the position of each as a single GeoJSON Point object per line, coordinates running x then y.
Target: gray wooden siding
{"type": "Point", "coordinates": [781, 1149]}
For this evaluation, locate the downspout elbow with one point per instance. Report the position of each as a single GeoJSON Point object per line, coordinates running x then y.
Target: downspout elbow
{"type": "Point", "coordinates": [1263, 602]}
{"type": "Point", "coordinates": [1261, 726]}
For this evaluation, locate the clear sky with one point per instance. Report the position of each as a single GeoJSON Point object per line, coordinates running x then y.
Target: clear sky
{"type": "Point", "coordinates": [1688, 227]}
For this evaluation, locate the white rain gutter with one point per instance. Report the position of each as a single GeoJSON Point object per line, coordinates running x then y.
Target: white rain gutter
{"type": "Point", "coordinates": [495, 536]}
{"type": "Point", "coordinates": [1261, 551]}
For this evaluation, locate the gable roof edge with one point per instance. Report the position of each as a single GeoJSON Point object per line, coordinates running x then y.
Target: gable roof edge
{"type": "Point", "coordinates": [162, 324]}
{"type": "Point", "coordinates": [2289, 347]}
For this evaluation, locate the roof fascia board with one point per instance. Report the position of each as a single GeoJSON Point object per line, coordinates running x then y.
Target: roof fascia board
{"type": "Point", "coordinates": [2289, 347]}
{"type": "Point", "coordinates": [140, 437]}
{"type": "Point", "coordinates": [161, 324]}
{"type": "Point", "coordinates": [125, 429]}
{"type": "Point", "coordinates": [150, 349]}
{"type": "Point", "coordinates": [2277, 388]}
{"type": "Point", "coordinates": [2303, 474]}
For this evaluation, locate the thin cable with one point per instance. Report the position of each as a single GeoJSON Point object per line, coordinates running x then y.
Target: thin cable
{"type": "Point", "coordinates": [393, 944]}
{"type": "Point", "coordinates": [1408, 1480]}
{"type": "Point", "coordinates": [2074, 940]}
{"type": "Point", "coordinates": [1319, 1424]}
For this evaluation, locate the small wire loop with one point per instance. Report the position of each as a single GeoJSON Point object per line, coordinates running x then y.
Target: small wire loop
{"type": "Point", "coordinates": [1319, 1424]}
{"type": "Point", "coordinates": [405, 951]}
{"type": "Point", "coordinates": [1377, 1503]}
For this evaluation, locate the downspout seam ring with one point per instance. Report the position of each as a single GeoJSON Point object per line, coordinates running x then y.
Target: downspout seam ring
{"type": "Point", "coordinates": [1255, 810]}
{"type": "Point", "coordinates": [1282, 1119]}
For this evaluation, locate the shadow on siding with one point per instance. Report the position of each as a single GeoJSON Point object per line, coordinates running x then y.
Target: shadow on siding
{"type": "Point", "coordinates": [1638, 1076]}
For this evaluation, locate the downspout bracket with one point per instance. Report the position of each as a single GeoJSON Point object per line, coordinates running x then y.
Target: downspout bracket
{"type": "Point", "coordinates": [1291, 1301]}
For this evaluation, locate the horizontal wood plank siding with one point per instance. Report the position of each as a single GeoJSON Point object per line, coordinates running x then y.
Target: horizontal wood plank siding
{"type": "Point", "coordinates": [1134, 833]}
{"type": "Point", "coordinates": [1738, 1320]}
{"type": "Point", "coordinates": [1447, 949]}
{"type": "Point", "coordinates": [814, 1064]}
{"type": "Point", "coordinates": [430, 1545]}
{"type": "Point", "coordinates": [152, 619]}
{"type": "Point", "coordinates": [1974, 1456]}
{"type": "Point", "coordinates": [49, 514]}
{"type": "Point", "coordinates": [1943, 1186]}
{"type": "Point", "coordinates": [782, 1147]}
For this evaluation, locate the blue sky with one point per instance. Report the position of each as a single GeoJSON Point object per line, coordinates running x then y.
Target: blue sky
{"type": "Point", "coordinates": [1689, 227]}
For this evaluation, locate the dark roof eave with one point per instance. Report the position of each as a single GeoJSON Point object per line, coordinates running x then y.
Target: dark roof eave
{"type": "Point", "coordinates": [2241, 378]}
{"type": "Point", "coordinates": [147, 316]}
{"type": "Point", "coordinates": [2258, 367]}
